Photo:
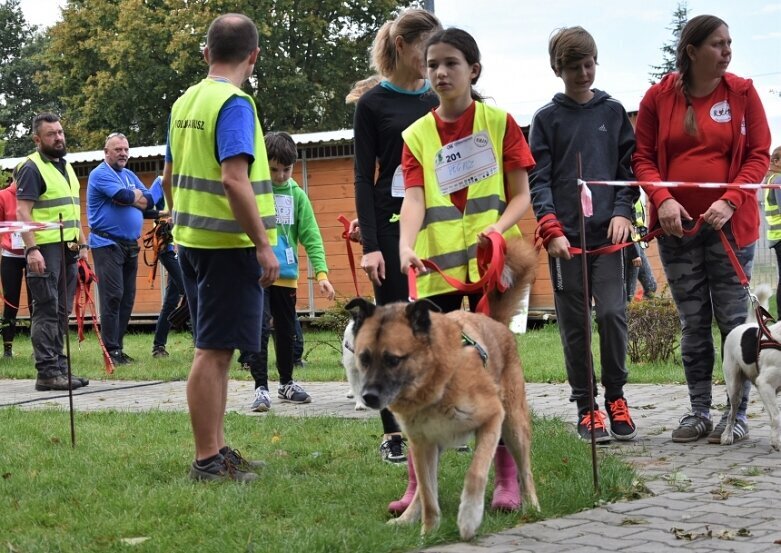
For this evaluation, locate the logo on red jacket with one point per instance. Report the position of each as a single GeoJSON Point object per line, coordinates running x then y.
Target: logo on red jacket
{"type": "Point", "coordinates": [720, 112]}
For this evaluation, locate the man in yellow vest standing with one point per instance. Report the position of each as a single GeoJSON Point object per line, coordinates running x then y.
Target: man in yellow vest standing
{"type": "Point", "coordinates": [217, 182]}
{"type": "Point", "coordinates": [47, 188]}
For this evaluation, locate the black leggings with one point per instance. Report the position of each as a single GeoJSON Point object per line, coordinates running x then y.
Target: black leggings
{"type": "Point", "coordinates": [11, 277]}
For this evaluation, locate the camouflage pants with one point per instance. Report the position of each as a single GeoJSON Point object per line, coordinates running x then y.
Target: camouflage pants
{"type": "Point", "coordinates": [704, 286]}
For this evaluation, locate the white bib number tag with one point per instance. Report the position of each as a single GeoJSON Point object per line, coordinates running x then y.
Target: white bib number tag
{"type": "Point", "coordinates": [16, 241]}
{"type": "Point", "coordinates": [290, 256]}
{"type": "Point", "coordinates": [397, 185]}
{"type": "Point", "coordinates": [284, 205]}
{"type": "Point", "coordinates": [465, 162]}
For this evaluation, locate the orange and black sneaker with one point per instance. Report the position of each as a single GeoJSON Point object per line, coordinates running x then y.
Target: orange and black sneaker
{"type": "Point", "coordinates": [622, 427]}
{"type": "Point", "coordinates": [601, 435]}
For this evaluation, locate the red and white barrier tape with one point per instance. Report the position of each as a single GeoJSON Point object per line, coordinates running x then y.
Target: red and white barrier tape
{"type": "Point", "coordinates": [747, 186]}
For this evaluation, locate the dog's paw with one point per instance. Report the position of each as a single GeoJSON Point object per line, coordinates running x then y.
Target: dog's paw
{"type": "Point", "coordinates": [728, 436]}
{"type": "Point", "coordinates": [775, 444]}
{"type": "Point", "coordinates": [359, 406]}
{"type": "Point", "coordinates": [469, 519]}
{"type": "Point", "coordinates": [350, 395]}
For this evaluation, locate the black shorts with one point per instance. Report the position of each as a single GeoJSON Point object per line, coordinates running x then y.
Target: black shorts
{"type": "Point", "coordinates": [225, 297]}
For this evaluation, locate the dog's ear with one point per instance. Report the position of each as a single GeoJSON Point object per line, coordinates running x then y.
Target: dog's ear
{"type": "Point", "coordinates": [359, 310]}
{"type": "Point", "coordinates": [418, 315]}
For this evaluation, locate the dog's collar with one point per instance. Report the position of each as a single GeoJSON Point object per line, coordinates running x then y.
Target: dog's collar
{"type": "Point", "coordinates": [470, 342]}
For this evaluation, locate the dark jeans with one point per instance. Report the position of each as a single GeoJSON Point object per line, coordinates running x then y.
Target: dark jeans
{"type": "Point", "coordinates": [174, 291]}
{"type": "Point", "coordinates": [52, 294]}
{"type": "Point", "coordinates": [777, 248]}
{"type": "Point", "coordinates": [11, 276]}
{"type": "Point", "coordinates": [279, 303]}
{"type": "Point", "coordinates": [643, 273]}
{"type": "Point", "coordinates": [116, 268]}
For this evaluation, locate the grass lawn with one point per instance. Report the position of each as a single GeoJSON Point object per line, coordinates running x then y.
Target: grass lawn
{"type": "Point", "coordinates": [324, 489]}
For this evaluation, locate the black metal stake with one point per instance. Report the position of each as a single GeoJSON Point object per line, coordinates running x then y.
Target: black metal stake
{"type": "Point", "coordinates": [587, 322]}
{"type": "Point", "coordinates": [63, 289]}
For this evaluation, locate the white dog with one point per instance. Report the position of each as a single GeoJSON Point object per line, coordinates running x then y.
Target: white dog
{"type": "Point", "coordinates": [348, 362]}
{"type": "Point", "coordinates": [764, 371]}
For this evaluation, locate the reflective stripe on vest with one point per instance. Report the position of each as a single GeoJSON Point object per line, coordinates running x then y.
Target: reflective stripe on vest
{"type": "Point", "coordinates": [772, 212]}
{"type": "Point", "coordinates": [447, 236]}
{"type": "Point", "coordinates": [202, 216]}
{"type": "Point", "coordinates": [60, 198]}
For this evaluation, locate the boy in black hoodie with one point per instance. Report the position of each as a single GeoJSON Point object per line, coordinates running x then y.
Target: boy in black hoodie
{"type": "Point", "coordinates": [588, 122]}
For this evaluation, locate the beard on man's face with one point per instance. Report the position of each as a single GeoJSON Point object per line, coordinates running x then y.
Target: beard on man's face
{"type": "Point", "coordinates": [54, 151]}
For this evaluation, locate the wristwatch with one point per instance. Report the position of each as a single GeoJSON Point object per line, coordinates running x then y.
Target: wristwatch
{"type": "Point", "coordinates": [729, 203]}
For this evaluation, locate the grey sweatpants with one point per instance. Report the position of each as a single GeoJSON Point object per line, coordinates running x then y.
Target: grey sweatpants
{"type": "Point", "coordinates": [606, 287]}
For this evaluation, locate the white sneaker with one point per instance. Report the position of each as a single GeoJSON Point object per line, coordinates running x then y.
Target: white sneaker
{"type": "Point", "coordinates": [262, 401]}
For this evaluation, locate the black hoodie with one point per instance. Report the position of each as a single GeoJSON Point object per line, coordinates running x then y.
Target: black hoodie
{"type": "Point", "coordinates": [601, 133]}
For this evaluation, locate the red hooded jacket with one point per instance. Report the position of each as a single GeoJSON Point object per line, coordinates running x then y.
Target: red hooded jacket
{"type": "Point", "coordinates": [750, 151]}
{"type": "Point", "coordinates": [8, 213]}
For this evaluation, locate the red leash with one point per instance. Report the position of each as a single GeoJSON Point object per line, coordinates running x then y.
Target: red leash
{"type": "Point", "coordinates": [346, 235]}
{"type": "Point", "coordinates": [490, 264]}
{"type": "Point", "coordinates": [84, 299]}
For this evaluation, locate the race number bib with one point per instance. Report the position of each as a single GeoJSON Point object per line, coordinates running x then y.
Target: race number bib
{"type": "Point", "coordinates": [397, 184]}
{"type": "Point", "coordinates": [465, 162]}
{"type": "Point", "coordinates": [284, 205]}
{"type": "Point", "coordinates": [16, 241]}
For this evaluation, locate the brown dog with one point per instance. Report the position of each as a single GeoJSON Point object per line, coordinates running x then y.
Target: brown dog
{"type": "Point", "coordinates": [446, 377]}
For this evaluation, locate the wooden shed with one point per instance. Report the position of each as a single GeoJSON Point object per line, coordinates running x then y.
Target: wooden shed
{"type": "Point", "coordinates": [325, 172]}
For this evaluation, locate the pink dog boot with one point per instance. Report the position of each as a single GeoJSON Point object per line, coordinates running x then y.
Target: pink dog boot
{"type": "Point", "coordinates": [507, 493]}
{"type": "Point", "coordinates": [400, 505]}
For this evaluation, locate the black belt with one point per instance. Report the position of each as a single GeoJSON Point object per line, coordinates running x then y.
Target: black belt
{"type": "Point", "coordinates": [120, 241]}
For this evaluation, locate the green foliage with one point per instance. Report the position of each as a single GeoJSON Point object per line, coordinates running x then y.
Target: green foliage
{"type": "Point", "coordinates": [324, 489]}
{"type": "Point", "coordinates": [653, 327]}
{"type": "Point", "coordinates": [120, 64]}
{"type": "Point", "coordinates": [333, 319]}
{"type": "Point", "coordinates": [22, 98]}
{"type": "Point", "coordinates": [680, 17]}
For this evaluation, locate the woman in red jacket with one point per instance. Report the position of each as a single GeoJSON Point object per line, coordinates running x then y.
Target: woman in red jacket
{"type": "Point", "coordinates": [702, 124]}
{"type": "Point", "coordinates": [12, 268]}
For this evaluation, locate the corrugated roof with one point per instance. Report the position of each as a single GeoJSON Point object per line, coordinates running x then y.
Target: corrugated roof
{"type": "Point", "coordinates": [140, 152]}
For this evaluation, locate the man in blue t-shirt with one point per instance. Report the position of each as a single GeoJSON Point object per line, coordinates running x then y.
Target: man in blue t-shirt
{"type": "Point", "coordinates": [116, 202]}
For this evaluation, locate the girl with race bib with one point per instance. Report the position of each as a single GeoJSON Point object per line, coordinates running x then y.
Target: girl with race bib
{"type": "Point", "coordinates": [465, 168]}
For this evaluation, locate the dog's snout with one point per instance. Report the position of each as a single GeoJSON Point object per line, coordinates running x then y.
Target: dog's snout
{"type": "Point", "coordinates": [371, 397]}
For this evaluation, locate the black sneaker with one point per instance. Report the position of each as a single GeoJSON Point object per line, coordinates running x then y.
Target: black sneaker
{"type": "Point", "coordinates": [220, 469]}
{"type": "Point", "coordinates": [8, 350]}
{"type": "Point", "coordinates": [394, 450]}
{"type": "Point", "coordinates": [117, 358]}
{"type": "Point", "coordinates": [236, 458]}
{"type": "Point", "coordinates": [739, 431]}
{"type": "Point", "coordinates": [159, 351]}
{"type": "Point", "coordinates": [126, 357]}
{"type": "Point", "coordinates": [601, 435]}
{"type": "Point", "coordinates": [691, 428]}
{"type": "Point", "coordinates": [622, 427]}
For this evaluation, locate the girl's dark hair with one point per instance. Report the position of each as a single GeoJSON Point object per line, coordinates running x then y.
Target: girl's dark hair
{"type": "Point", "coordinates": [466, 44]}
{"type": "Point", "coordinates": [696, 31]}
{"type": "Point", "coordinates": [281, 147]}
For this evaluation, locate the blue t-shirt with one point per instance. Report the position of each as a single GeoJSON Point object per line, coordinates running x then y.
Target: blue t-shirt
{"type": "Point", "coordinates": [235, 131]}
{"type": "Point", "coordinates": [106, 215]}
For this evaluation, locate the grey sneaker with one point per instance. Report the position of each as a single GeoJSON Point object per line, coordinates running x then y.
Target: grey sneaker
{"type": "Point", "coordinates": [293, 393]}
{"type": "Point", "coordinates": [159, 351]}
{"type": "Point", "coordinates": [739, 432]}
{"type": "Point", "coordinates": [691, 428]}
{"type": "Point", "coordinates": [262, 401]}
{"type": "Point", "coordinates": [220, 469]}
